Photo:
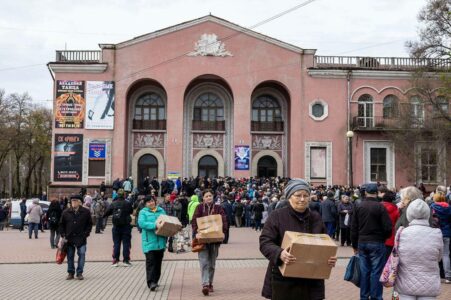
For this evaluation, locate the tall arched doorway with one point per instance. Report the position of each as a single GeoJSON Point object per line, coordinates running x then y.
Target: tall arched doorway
{"type": "Point", "coordinates": [147, 166]}
{"type": "Point", "coordinates": [267, 167]}
{"type": "Point", "coordinates": [208, 166]}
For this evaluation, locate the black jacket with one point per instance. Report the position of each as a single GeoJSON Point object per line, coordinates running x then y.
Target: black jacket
{"type": "Point", "coordinates": [125, 206]}
{"type": "Point", "coordinates": [76, 226]}
{"type": "Point", "coordinates": [56, 211]}
{"type": "Point", "coordinates": [370, 223]}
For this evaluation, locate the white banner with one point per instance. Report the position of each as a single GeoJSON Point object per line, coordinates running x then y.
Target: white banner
{"type": "Point", "coordinates": [99, 105]}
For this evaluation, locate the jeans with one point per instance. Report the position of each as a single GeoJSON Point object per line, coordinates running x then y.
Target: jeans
{"type": "Point", "coordinates": [408, 297]}
{"type": "Point", "coordinates": [122, 235]}
{"type": "Point", "coordinates": [330, 228]}
{"type": "Point", "coordinates": [154, 260]}
{"type": "Point", "coordinates": [81, 252]}
{"type": "Point", "coordinates": [258, 224]}
{"type": "Point", "coordinates": [22, 222]}
{"type": "Point", "coordinates": [372, 261]}
{"type": "Point", "coordinates": [33, 227]}
{"type": "Point", "coordinates": [54, 240]}
{"type": "Point", "coordinates": [207, 261]}
{"type": "Point", "coordinates": [248, 221]}
{"type": "Point", "coordinates": [445, 258]}
{"type": "Point", "coordinates": [99, 224]}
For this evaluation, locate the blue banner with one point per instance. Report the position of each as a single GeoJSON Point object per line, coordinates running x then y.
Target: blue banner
{"type": "Point", "coordinates": [242, 157]}
{"type": "Point", "coordinates": [97, 151]}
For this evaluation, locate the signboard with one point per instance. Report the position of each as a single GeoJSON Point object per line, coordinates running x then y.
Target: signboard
{"type": "Point", "coordinates": [100, 104]}
{"type": "Point", "coordinates": [318, 162]}
{"type": "Point", "coordinates": [242, 157]}
{"type": "Point", "coordinates": [70, 104]}
{"type": "Point", "coordinates": [173, 175]}
{"type": "Point", "coordinates": [97, 151]}
{"type": "Point", "coordinates": [68, 157]}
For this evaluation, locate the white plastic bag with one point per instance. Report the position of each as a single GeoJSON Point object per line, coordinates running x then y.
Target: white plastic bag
{"type": "Point", "coordinates": [347, 220]}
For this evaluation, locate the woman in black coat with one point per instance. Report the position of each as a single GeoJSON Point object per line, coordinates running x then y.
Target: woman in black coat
{"type": "Point", "coordinates": [53, 216]}
{"type": "Point", "coordinates": [295, 217]}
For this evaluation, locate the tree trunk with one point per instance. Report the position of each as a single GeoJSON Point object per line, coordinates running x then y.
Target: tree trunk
{"type": "Point", "coordinates": [31, 168]}
{"type": "Point", "coordinates": [35, 182]}
{"type": "Point", "coordinates": [39, 177]}
{"type": "Point", "coordinates": [18, 186]}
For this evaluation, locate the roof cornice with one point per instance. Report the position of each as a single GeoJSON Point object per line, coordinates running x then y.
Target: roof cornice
{"type": "Point", "coordinates": [77, 68]}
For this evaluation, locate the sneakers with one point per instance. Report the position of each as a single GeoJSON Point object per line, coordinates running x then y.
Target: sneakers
{"type": "Point", "coordinates": [127, 264]}
{"type": "Point", "coordinates": [79, 276]}
{"type": "Point", "coordinates": [115, 263]}
{"type": "Point", "coordinates": [210, 288]}
{"type": "Point", "coordinates": [448, 281]}
{"type": "Point", "coordinates": [70, 276]}
{"type": "Point", "coordinates": [153, 286]}
{"type": "Point", "coordinates": [206, 290]}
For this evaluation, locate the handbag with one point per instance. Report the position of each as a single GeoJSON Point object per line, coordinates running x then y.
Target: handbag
{"type": "Point", "coordinates": [61, 252]}
{"type": "Point", "coordinates": [390, 271]}
{"type": "Point", "coordinates": [352, 273]}
{"type": "Point", "coordinates": [196, 246]}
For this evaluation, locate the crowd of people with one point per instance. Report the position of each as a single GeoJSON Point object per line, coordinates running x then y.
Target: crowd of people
{"type": "Point", "coordinates": [368, 218]}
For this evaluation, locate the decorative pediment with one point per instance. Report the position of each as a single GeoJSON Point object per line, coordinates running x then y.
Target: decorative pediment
{"type": "Point", "coordinates": [208, 45]}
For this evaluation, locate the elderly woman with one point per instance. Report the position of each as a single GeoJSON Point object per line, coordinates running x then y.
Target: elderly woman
{"type": "Point", "coordinates": [420, 250]}
{"type": "Point", "coordinates": [296, 216]}
{"type": "Point", "coordinates": [407, 194]}
{"type": "Point", "coordinates": [34, 218]}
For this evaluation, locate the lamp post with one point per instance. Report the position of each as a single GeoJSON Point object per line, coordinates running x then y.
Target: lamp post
{"type": "Point", "coordinates": [350, 135]}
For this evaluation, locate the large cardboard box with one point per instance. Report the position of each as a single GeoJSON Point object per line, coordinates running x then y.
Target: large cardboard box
{"type": "Point", "coordinates": [209, 229]}
{"type": "Point", "coordinates": [168, 225]}
{"type": "Point", "coordinates": [312, 251]}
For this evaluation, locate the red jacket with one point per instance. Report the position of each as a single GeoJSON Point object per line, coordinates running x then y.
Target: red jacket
{"type": "Point", "coordinates": [393, 213]}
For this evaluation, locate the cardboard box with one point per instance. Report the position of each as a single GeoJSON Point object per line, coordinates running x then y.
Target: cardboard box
{"type": "Point", "coordinates": [209, 229]}
{"type": "Point", "coordinates": [168, 225]}
{"type": "Point", "coordinates": [312, 251]}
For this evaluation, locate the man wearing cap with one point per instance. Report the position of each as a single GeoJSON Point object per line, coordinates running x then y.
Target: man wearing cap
{"type": "Point", "coordinates": [296, 216]}
{"type": "Point", "coordinates": [371, 226]}
{"type": "Point", "coordinates": [75, 227]}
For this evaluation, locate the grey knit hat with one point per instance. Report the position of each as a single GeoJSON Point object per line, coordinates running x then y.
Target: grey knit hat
{"type": "Point", "coordinates": [295, 185]}
{"type": "Point", "coordinates": [418, 209]}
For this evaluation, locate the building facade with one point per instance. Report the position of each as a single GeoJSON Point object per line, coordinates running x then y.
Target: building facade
{"type": "Point", "coordinates": [210, 98]}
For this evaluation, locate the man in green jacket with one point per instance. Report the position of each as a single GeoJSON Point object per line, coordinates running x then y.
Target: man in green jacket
{"type": "Point", "coordinates": [194, 202]}
{"type": "Point", "coordinates": [153, 245]}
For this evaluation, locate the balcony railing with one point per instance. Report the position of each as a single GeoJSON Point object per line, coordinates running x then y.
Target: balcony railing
{"type": "Point", "coordinates": [381, 123]}
{"type": "Point", "coordinates": [209, 125]}
{"type": "Point", "coordinates": [85, 56]}
{"type": "Point", "coordinates": [381, 63]}
{"type": "Point", "coordinates": [149, 124]}
{"type": "Point", "coordinates": [267, 126]}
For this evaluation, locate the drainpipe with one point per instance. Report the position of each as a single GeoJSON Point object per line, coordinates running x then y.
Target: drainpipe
{"type": "Point", "coordinates": [349, 139]}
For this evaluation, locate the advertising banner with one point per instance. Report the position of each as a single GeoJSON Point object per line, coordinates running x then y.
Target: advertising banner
{"type": "Point", "coordinates": [242, 157]}
{"type": "Point", "coordinates": [68, 157]}
{"type": "Point", "coordinates": [100, 104]}
{"type": "Point", "coordinates": [70, 104]}
{"type": "Point", "coordinates": [97, 151]}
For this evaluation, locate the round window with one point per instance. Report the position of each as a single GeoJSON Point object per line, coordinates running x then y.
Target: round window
{"type": "Point", "coordinates": [317, 110]}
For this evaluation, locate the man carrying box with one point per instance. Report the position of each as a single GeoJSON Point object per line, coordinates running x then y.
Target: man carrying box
{"type": "Point", "coordinates": [299, 218]}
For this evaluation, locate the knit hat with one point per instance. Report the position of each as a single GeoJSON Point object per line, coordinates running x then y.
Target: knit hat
{"type": "Point", "coordinates": [418, 209]}
{"type": "Point", "coordinates": [295, 185]}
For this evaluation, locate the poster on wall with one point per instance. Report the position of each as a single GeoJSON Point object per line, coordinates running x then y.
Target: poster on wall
{"type": "Point", "coordinates": [318, 163]}
{"type": "Point", "coordinates": [100, 105]}
{"type": "Point", "coordinates": [242, 157]}
{"type": "Point", "coordinates": [97, 151]}
{"type": "Point", "coordinates": [70, 104]}
{"type": "Point", "coordinates": [68, 157]}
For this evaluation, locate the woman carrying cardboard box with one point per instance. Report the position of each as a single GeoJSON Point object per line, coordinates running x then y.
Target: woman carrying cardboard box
{"type": "Point", "coordinates": [299, 218]}
{"type": "Point", "coordinates": [207, 256]}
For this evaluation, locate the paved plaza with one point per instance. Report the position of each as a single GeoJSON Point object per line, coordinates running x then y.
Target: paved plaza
{"type": "Point", "coordinates": [27, 270]}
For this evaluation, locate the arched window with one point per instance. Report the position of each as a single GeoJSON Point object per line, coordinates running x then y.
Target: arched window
{"type": "Point", "coordinates": [365, 118]}
{"type": "Point", "coordinates": [391, 109]}
{"type": "Point", "coordinates": [149, 112]}
{"type": "Point", "coordinates": [441, 106]}
{"type": "Point", "coordinates": [266, 114]}
{"type": "Point", "coordinates": [208, 112]}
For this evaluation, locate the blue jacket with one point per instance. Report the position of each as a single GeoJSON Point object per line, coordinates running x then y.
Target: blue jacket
{"type": "Point", "coordinates": [442, 211]}
{"type": "Point", "coordinates": [146, 220]}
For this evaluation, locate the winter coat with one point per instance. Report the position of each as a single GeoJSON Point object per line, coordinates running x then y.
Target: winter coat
{"type": "Point", "coordinates": [328, 210]}
{"type": "Point", "coordinates": [34, 214]}
{"type": "Point", "coordinates": [147, 219]}
{"type": "Point", "coordinates": [204, 210]}
{"type": "Point", "coordinates": [100, 208]}
{"type": "Point", "coordinates": [315, 206]}
{"type": "Point", "coordinates": [341, 208]}
{"type": "Point", "coordinates": [227, 207]}
{"type": "Point", "coordinates": [279, 221]}
{"type": "Point", "coordinates": [258, 209]}
{"type": "Point", "coordinates": [420, 250]}
{"type": "Point", "coordinates": [393, 213]}
{"type": "Point", "coordinates": [127, 186]}
{"type": "Point", "coordinates": [177, 207]}
{"type": "Point", "coordinates": [23, 209]}
{"type": "Point", "coordinates": [402, 220]}
{"type": "Point", "coordinates": [238, 209]}
{"type": "Point", "coordinates": [168, 208]}
{"type": "Point", "coordinates": [54, 212]}
{"type": "Point", "coordinates": [192, 205]}
{"type": "Point", "coordinates": [76, 226]}
{"type": "Point", "coordinates": [442, 211]}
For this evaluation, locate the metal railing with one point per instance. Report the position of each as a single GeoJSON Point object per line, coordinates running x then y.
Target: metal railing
{"type": "Point", "coordinates": [381, 63]}
{"type": "Point", "coordinates": [267, 126]}
{"type": "Point", "coordinates": [378, 123]}
{"type": "Point", "coordinates": [149, 124]}
{"type": "Point", "coordinates": [78, 56]}
{"type": "Point", "coordinates": [209, 125]}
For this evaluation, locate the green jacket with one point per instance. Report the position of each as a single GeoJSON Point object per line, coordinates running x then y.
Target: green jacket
{"type": "Point", "coordinates": [192, 206]}
{"type": "Point", "coordinates": [146, 220]}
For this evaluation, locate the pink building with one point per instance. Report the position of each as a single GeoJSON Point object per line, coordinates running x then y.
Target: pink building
{"type": "Point", "coordinates": [210, 98]}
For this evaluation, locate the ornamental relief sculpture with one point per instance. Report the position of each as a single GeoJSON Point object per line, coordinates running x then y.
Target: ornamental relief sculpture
{"type": "Point", "coordinates": [273, 142]}
{"type": "Point", "coordinates": [208, 45]}
{"type": "Point", "coordinates": [148, 140]}
{"type": "Point", "coordinates": [208, 141]}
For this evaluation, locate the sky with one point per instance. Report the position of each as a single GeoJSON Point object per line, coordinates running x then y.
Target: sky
{"type": "Point", "coordinates": [32, 30]}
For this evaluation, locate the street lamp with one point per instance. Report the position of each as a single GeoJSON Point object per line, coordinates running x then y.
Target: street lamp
{"type": "Point", "coordinates": [350, 135]}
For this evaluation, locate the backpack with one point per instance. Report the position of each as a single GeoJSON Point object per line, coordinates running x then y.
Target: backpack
{"type": "Point", "coordinates": [119, 217]}
{"type": "Point", "coordinates": [53, 218]}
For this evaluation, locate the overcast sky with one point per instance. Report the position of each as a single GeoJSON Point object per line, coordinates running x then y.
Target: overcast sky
{"type": "Point", "coordinates": [31, 30]}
